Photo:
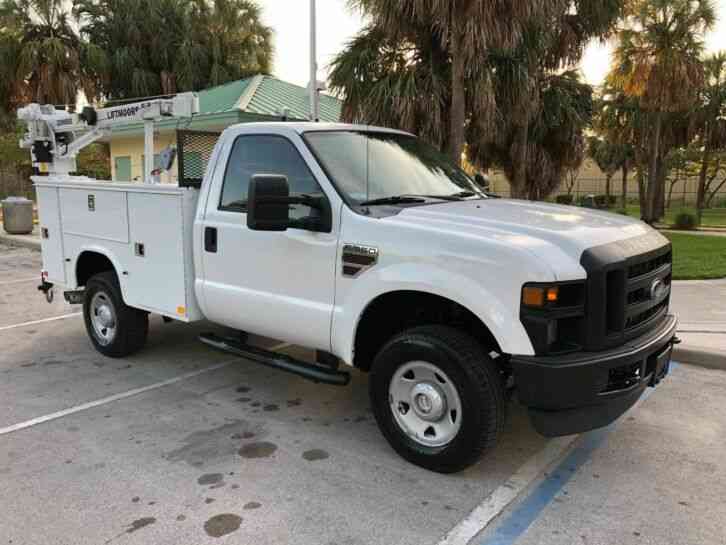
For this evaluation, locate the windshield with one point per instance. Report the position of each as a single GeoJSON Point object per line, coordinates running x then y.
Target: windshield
{"type": "Point", "coordinates": [370, 166]}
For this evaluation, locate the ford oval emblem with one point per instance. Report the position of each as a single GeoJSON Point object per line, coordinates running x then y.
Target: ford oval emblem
{"type": "Point", "coordinates": [657, 289]}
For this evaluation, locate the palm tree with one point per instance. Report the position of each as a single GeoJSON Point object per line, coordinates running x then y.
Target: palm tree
{"type": "Point", "coordinates": [10, 94]}
{"type": "Point", "coordinates": [397, 80]}
{"type": "Point", "coordinates": [403, 70]}
{"type": "Point", "coordinates": [166, 46]}
{"type": "Point", "coordinates": [555, 138]}
{"type": "Point", "coordinates": [463, 31]}
{"type": "Point", "coordinates": [52, 64]}
{"type": "Point", "coordinates": [608, 156]}
{"type": "Point", "coordinates": [658, 61]}
{"type": "Point", "coordinates": [711, 120]}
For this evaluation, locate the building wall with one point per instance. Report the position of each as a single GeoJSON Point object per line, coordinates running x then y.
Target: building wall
{"type": "Point", "coordinates": [133, 147]}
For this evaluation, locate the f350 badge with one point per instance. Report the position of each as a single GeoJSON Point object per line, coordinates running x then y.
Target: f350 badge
{"type": "Point", "coordinates": [358, 258]}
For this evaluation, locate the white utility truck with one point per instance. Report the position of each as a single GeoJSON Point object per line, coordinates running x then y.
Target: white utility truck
{"type": "Point", "coordinates": [372, 248]}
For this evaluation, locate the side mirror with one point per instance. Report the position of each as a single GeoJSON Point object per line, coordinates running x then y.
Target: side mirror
{"type": "Point", "coordinates": [268, 200]}
{"type": "Point", "coordinates": [482, 181]}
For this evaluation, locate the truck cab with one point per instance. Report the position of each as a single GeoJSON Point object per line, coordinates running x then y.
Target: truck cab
{"type": "Point", "coordinates": [372, 248]}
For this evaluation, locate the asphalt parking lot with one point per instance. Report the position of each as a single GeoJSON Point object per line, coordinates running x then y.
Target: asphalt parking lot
{"type": "Point", "coordinates": [180, 444]}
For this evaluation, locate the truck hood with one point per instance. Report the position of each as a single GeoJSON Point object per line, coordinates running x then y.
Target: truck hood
{"type": "Point", "coordinates": [557, 234]}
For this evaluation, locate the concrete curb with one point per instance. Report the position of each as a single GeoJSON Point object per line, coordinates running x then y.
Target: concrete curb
{"type": "Point", "coordinates": [22, 241]}
{"type": "Point", "coordinates": [710, 359]}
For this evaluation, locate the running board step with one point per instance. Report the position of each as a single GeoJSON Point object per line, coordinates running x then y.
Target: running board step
{"type": "Point", "coordinates": [316, 373]}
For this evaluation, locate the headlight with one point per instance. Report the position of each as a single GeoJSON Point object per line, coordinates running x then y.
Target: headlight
{"type": "Point", "coordinates": [538, 296]}
{"type": "Point", "coordinates": [553, 315]}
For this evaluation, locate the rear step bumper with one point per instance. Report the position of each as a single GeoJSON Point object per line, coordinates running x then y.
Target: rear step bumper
{"type": "Point", "coordinates": [310, 371]}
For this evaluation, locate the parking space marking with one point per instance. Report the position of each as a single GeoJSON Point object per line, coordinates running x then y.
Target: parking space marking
{"type": "Point", "coordinates": [44, 320]}
{"type": "Point", "coordinates": [123, 395]}
{"type": "Point", "coordinates": [528, 511]}
{"type": "Point", "coordinates": [15, 255]}
{"type": "Point", "coordinates": [505, 494]}
{"type": "Point", "coordinates": [21, 281]}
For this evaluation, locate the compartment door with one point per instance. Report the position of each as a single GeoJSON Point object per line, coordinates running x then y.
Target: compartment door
{"type": "Point", "coordinates": [51, 238]}
{"type": "Point", "coordinates": [156, 279]}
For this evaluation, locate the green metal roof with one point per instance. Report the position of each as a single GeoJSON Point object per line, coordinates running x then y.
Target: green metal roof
{"type": "Point", "coordinates": [223, 97]}
{"type": "Point", "coordinates": [257, 98]}
{"type": "Point", "coordinates": [273, 95]}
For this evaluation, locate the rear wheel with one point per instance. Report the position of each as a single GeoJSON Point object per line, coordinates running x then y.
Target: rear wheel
{"type": "Point", "coordinates": [115, 329]}
{"type": "Point", "coordinates": [438, 398]}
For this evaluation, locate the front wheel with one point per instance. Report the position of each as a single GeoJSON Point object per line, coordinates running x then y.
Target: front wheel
{"type": "Point", "coordinates": [437, 397]}
{"type": "Point", "coordinates": [115, 329]}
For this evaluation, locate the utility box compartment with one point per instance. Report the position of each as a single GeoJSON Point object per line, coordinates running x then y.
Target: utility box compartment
{"type": "Point", "coordinates": [51, 235]}
{"type": "Point", "coordinates": [145, 230]}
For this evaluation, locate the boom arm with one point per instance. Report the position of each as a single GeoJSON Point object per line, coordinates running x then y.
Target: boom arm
{"type": "Point", "coordinates": [55, 137]}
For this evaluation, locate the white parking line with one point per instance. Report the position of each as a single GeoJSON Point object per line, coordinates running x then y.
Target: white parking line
{"type": "Point", "coordinates": [123, 395]}
{"type": "Point", "coordinates": [506, 493]}
{"type": "Point", "coordinates": [44, 320]}
{"type": "Point", "coordinates": [18, 254]}
{"type": "Point", "coordinates": [21, 281]}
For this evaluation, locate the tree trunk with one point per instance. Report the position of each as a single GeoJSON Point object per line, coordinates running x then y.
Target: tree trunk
{"type": "Point", "coordinates": [519, 168]}
{"type": "Point", "coordinates": [701, 194]}
{"type": "Point", "coordinates": [608, 178]}
{"type": "Point", "coordinates": [652, 194]}
{"type": "Point", "coordinates": [624, 195]}
{"type": "Point", "coordinates": [458, 101]}
{"type": "Point", "coordinates": [659, 208]}
{"type": "Point", "coordinates": [669, 199]}
{"type": "Point", "coordinates": [641, 190]}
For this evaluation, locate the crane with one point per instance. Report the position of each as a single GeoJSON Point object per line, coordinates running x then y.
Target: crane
{"type": "Point", "coordinates": [55, 137]}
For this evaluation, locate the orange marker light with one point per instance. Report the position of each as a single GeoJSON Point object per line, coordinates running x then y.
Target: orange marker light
{"type": "Point", "coordinates": [552, 294]}
{"type": "Point", "coordinates": [533, 297]}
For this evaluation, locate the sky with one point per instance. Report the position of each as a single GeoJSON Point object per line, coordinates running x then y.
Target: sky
{"type": "Point", "coordinates": [337, 24]}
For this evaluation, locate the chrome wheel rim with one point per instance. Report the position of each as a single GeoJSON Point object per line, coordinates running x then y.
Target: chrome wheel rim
{"type": "Point", "coordinates": [103, 318]}
{"type": "Point", "coordinates": [425, 403]}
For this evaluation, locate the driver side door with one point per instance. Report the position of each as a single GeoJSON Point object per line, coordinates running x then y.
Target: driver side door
{"type": "Point", "coordinates": [277, 284]}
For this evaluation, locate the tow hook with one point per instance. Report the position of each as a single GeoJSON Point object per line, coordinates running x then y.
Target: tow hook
{"type": "Point", "coordinates": [47, 289]}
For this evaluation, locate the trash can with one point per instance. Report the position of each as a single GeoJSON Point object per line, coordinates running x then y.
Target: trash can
{"type": "Point", "coordinates": [18, 215]}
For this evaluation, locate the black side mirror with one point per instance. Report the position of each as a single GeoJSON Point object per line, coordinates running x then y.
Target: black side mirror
{"type": "Point", "coordinates": [481, 181]}
{"type": "Point", "coordinates": [268, 203]}
{"type": "Point", "coordinates": [268, 206]}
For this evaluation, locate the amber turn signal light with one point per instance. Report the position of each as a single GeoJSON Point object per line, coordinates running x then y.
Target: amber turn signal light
{"type": "Point", "coordinates": [537, 296]}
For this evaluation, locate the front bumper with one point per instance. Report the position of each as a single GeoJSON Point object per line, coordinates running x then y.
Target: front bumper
{"type": "Point", "coordinates": [579, 392]}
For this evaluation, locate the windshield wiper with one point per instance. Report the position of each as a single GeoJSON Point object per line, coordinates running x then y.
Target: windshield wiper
{"type": "Point", "coordinates": [396, 199]}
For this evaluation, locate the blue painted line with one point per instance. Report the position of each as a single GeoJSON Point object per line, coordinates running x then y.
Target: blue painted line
{"type": "Point", "coordinates": [529, 510]}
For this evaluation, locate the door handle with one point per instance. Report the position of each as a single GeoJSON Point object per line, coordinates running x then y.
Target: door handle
{"type": "Point", "coordinates": [210, 239]}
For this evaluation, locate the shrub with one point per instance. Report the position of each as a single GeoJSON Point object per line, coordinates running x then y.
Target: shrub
{"type": "Point", "coordinates": [685, 219]}
{"type": "Point", "coordinates": [588, 201]}
{"type": "Point", "coordinates": [622, 211]}
{"type": "Point", "coordinates": [601, 201]}
{"type": "Point", "coordinates": [612, 201]}
{"type": "Point", "coordinates": [564, 199]}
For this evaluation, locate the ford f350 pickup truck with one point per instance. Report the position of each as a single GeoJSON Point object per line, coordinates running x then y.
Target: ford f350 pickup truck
{"type": "Point", "coordinates": [372, 248]}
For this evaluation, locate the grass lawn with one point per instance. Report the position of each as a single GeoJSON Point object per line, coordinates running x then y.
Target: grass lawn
{"type": "Point", "coordinates": [712, 217]}
{"type": "Point", "coordinates": [698, 256]}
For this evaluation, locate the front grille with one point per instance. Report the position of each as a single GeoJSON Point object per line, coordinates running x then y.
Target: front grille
{"type": "Point", "coordinates": [642, 317]}
{"type": "Point", "coordinates": [639, 269]}
{"type": "Point", "coordinates": [628, 289]}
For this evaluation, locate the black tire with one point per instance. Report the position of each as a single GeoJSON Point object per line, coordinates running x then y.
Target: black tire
{"type": "Point", "coordinates": [478, 384]}
{"type": "Point", "coordinates": [131, 325]}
